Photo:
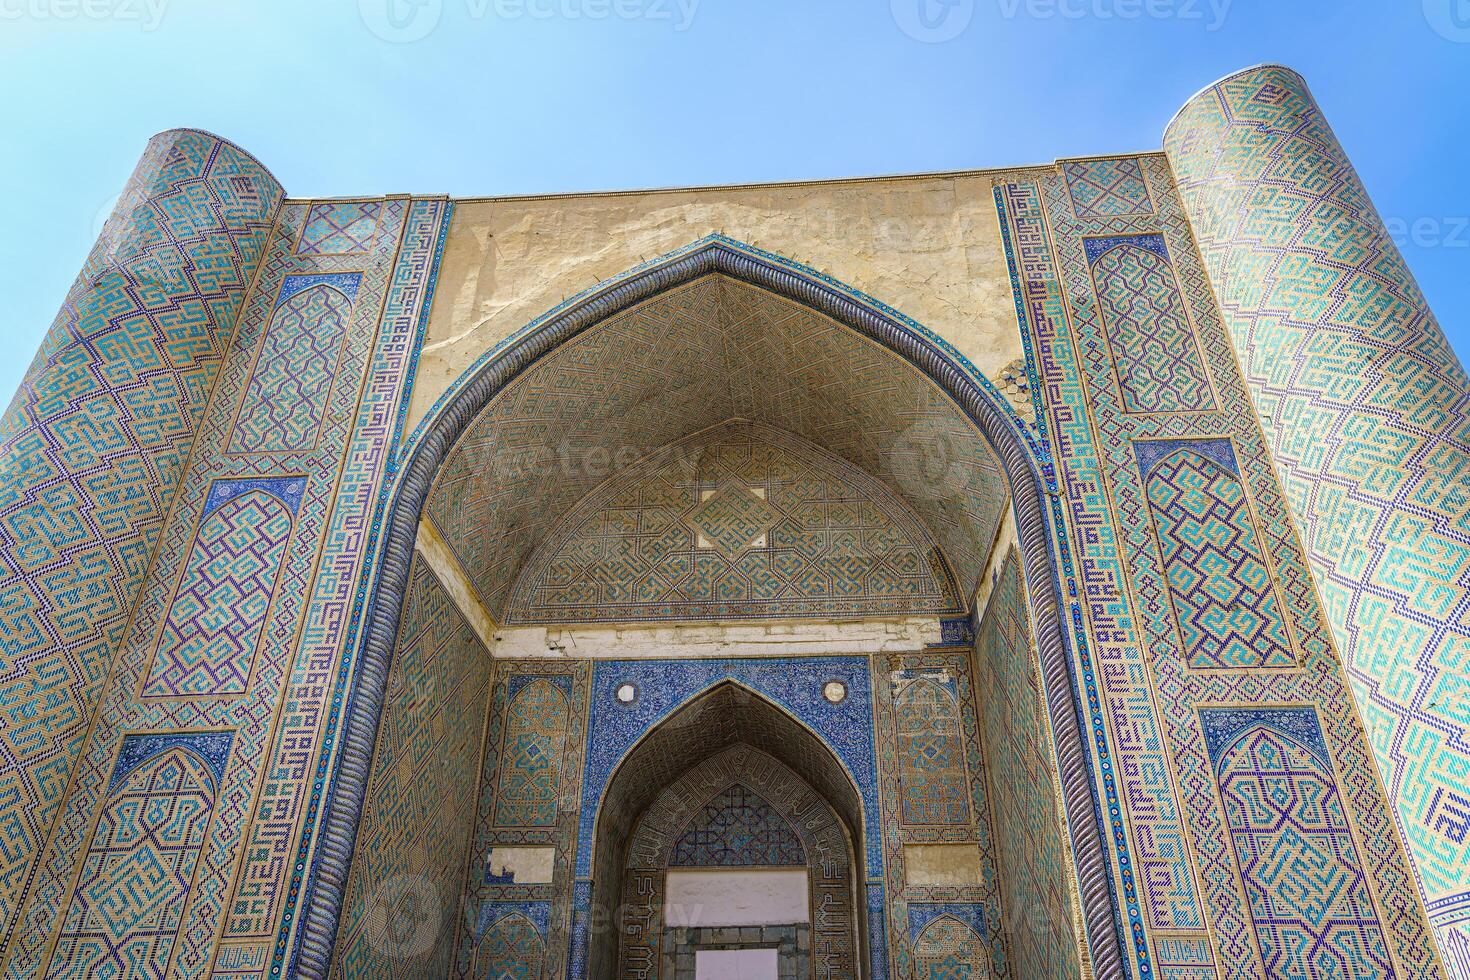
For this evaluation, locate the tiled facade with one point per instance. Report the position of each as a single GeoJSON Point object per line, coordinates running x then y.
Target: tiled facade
{"type": "Point", "coordinates": [738, 521]}
{"type": "Point", "coordinates": [410, 853]}
{"type": "Point", "coordinates": [94, 445]}
{"type": "Point", "coordinates": [1035, 876]}
{"type": "Point", "coordinates": [1363, 405]}
{"type": "Point", "coordinates": [250, 733]}
{"type": "Point", "coordinates": [1138, 607]}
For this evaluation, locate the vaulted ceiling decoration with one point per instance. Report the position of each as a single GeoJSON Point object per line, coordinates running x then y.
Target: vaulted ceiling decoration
{"type": "Point", "coordinates": [738, 521]}
{"type": "Point", "coordinates": [684, 362]}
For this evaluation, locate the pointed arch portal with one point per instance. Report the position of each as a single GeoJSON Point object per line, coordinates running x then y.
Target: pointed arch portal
{"type": "Point", "coordinates": [930, 379]}
{"type": "Point", "coordinates": [727, 738]}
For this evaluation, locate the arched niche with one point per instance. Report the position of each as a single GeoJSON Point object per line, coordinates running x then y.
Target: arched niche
{"type": "Point", "coordinates": [728, 735]}
{"type": "Point", "coordinates": [830, 324]}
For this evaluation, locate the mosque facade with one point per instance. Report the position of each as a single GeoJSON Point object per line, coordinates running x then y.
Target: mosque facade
{"type": "Point", "coordinates": [1050, 572]}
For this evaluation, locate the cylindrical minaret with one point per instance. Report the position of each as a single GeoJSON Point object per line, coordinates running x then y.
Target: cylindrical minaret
{"type": "Point", "coordinates": [1368, 416]}
{"type": "Point", "coordinates": [92, 448]}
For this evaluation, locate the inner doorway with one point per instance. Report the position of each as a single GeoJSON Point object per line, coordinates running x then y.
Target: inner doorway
{"type": "Point", "coordinates": [728, 840]}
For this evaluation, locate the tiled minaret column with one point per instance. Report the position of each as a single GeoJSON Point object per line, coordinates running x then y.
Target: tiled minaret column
{"type": "Point", "coordinates": [1367, 413]}
{"type": "Point", "coordinates": [91, 450]}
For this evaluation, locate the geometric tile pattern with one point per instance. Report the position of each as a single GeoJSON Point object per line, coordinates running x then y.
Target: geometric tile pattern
{"type": "Point", "coordinates": [731, 721]}
{"type": "Point", "coordinates": [339, 227]}
{"type": "Point", "coordinates": [950, 949]}
{"type": "Point", "coordinates": [1364, 404]}
{"type": "Point", "coordinates": [1030, 847]}
{"type": "Point", "coordinates": [360, 433]}
{"type": "Point", "coordinates": [1107, 188]}
{"type": "Point", "coordinates": [252, 866]}
{"type": "Point", "coordinates": [793, 684]}
{"type": "Point", "coordinates": [1175, 872]}
{"type": "Point", "coordinates": [531, 757]}
{"type": "Point", "coordinates": [128, 904]}
{"type": "Point", "coordinates": [1220, 584]}
{"type": "Point", "coordinates": [741, 520]}
{"type": "Point", "coordinates": [687, 360]}
{"type": "Point", "coordinates": [1158, 361]}
{"type": "Point", "coordinates": [930, 752]}
{"type": "Point", "coordinates": [292, 380]}
{"type": "Point", "coordinates": [207, 645]}
{"type": "Point", "coordinates": [510, 949]}
{"type": "Point", "coordinates": [547, 905]}
{"type": "Point", "coordinates": [94, 443]}
{"type": "Point", "coordinates": [738, 829]}
{"type": "Point", "coordinates": [408, 867]}
{"type": "Point", "coordinates": [934, 789]}
{"type": "Point", "coordinates": [1313, 914]}
{"type": "Point", "coordinates": [1076, 380]}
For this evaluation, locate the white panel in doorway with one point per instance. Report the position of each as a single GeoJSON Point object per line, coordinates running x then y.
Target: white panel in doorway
{"type": "Point", "coordinates": [705, 898]}
{"type": "Point", "coordinates": [736, 964]}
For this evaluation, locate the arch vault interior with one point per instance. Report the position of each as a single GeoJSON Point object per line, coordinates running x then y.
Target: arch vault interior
{"type": "Point", "coordinates": [716, 457]}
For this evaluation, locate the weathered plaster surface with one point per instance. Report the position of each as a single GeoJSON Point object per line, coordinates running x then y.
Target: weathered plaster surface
{"type": "Point", "coordinates": [440, 557]}
{"type": "Point", "coordinates": [929, 246]}
{"type": "Point", "coordinates": [942, 864]}
{"type": "Point", "coordinates": [785, 639]}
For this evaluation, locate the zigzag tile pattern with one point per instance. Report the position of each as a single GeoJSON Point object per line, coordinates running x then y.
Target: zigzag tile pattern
{"type": "Point", "coordinates": [1364, 405]}
{"type": "Point", "coordinates": [284, 716]}
{"type": "Point", "coordinates": [1222, 589]}
{"type": "Point", "coordinates": [208, 641]}
{"type": "Point", "coordinates": [93, 447]}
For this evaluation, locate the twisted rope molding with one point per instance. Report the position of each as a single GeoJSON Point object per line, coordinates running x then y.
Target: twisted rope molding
{"type": "Point", "coordinates": [1024, 458]}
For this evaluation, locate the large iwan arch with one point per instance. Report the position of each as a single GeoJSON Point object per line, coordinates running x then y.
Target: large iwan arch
{"type": "Point", "coordinates": [927, 362]}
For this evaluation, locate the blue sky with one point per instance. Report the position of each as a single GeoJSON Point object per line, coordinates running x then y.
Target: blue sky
{"type": "Point", "coordinates": [523, 96]}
